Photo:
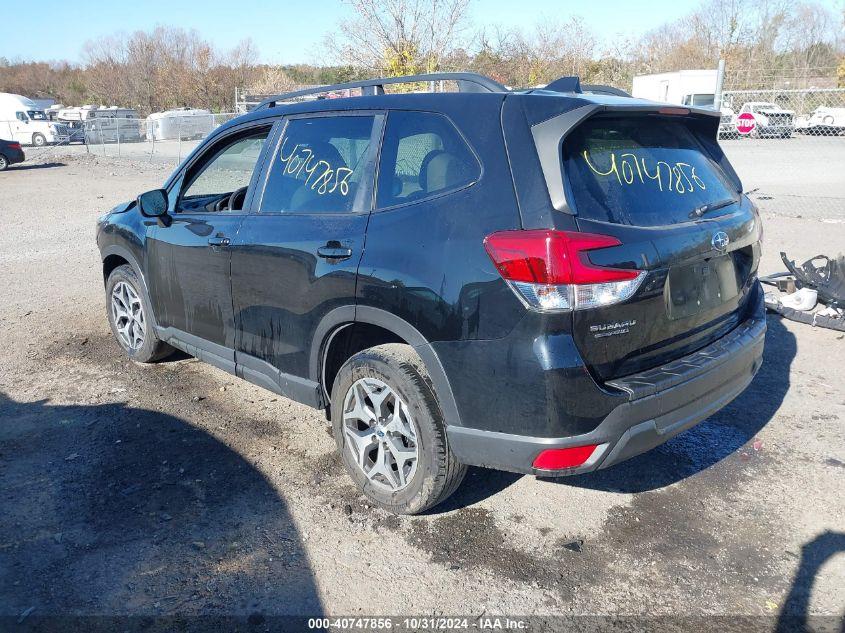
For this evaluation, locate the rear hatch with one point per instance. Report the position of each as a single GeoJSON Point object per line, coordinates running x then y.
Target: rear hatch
{"type": "Point", "coordinates": [651, 181]}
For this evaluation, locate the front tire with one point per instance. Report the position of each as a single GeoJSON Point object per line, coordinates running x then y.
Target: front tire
{"type": "Point", "coordinates": [39, 140]}
{"type": "Point", "coordinates": [390, 431]}
{"type": "Point", "coordinates": [128, 314]}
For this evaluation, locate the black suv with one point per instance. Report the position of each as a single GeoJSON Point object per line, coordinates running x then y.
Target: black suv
{"type": "Point", "coordinates": [546, 281]}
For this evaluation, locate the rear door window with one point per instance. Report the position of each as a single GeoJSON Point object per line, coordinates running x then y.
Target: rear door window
{"type": "Point", "coordinates": [641, 171]}
{"type": "Point", "coordinates": [422, 155]}
{"type": "Point", "coordinates": [321, 165]}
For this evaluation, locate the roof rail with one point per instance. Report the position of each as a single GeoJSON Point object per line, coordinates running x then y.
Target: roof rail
{"type": "Point", "coordinates": [467, 82]}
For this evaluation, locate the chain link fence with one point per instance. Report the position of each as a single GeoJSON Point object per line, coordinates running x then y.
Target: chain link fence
{"type": "Point", "coordinates": [788, 146]}
{"type": "Point", "coordinates": [165, 138]}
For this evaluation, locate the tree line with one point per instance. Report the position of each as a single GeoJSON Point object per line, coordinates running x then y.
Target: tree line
{"type": "Point", "coordinates": [763, 42]}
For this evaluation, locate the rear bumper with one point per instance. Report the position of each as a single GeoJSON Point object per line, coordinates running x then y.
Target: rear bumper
{"type": "Point", "coordinates": [661, 403]}
{"type": "Point", "coordinates": [14, 156]}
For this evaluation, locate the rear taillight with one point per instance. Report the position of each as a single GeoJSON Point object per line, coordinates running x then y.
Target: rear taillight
{"type": "Point", "coordinates": [551, 271]}
{"type": "Point", "coordinates": [14, 146]}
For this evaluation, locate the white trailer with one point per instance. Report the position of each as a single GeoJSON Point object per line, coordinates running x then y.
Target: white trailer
{"type": "Point", "coordinates": [683, 87]}
{"type": "Point", "coordinates": [181, 123]}
{"type": "Point", "coordinates": [101, 124]}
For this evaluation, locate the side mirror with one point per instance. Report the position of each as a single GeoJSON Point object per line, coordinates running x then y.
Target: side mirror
{"type": "Point", "coordinates": [153, 204]}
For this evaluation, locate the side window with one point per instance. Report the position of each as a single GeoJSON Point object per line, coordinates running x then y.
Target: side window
{"type": "Point", "coordinates": [320, 165]}
{"type": "Point", "coordinates": [21, 116]}
{"type": "Point", "coordinates": [228, 170]}
{"type": "Point", "coordinates": [422, 155]}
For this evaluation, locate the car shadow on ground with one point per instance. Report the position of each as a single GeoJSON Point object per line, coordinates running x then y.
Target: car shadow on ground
{"type": "Point", "coordinates": [115, 510]}
{"type": "Point", "coordinates": [25, 166]}
{"type": "Point", "coordinates": [683, 456]}
{"type": "Point", "coordinates": [795, 613]}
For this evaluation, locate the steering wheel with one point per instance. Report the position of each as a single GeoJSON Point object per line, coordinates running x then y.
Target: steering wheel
{"type": "Point", "coordinates": [234, 202]}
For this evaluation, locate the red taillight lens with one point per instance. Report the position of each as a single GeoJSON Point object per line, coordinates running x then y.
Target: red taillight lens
{"type": "Point", "coordinates": [552, 257]}
{"type": "Point", "coordinates": [561, 458]}
{"type": "Point", "coordinates": [551, 270]}
{"type": "Point", "coordinates": [14, 146]}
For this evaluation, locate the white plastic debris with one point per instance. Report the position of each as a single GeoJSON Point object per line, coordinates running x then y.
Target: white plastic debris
{"type": "Point", "coordinates": [803, 299]}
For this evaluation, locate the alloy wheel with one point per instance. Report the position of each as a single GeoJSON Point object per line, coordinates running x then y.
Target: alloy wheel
{"type": "Point", "coordinates": [128, 315]}
{"type": "Point", "coordinates": [380, 434]}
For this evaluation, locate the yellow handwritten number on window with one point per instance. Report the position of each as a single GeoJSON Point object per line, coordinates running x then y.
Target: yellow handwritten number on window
{"type": "Point", "coordinates": [677, 177]}
{"type": "Point", "coordinates": [320, 176]}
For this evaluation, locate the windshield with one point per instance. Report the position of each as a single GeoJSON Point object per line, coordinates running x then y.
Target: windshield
{"type": "Point", "coordinates": [641, 171]}
{"type": "Point", "coordinates": [37, 115]}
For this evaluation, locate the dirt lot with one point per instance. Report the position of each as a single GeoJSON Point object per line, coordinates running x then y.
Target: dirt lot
{"type": "Point", "coordinates": [177, 489]}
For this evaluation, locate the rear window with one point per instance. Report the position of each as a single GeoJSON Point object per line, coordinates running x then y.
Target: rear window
{"type": "Point", "coordinates": [642, 171]}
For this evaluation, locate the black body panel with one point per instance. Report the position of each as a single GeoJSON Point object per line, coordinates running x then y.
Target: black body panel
{"type": "Point", "coordinates": [189, 276]}
{"type": "Point", "coordinates": [262, 294]}
{"type": "Point", "coordinates": [282, 288]}
{"type": "Point", "coordinates": [425, 260]}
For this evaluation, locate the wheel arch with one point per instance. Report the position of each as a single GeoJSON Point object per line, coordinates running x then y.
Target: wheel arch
{"type": "Point", "coordinates": [116, 255]}
{"type": "Point", "coordinates": [345, 316]}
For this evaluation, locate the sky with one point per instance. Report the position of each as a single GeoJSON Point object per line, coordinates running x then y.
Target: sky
{"type": "Point", "coordinates": [287, 32]}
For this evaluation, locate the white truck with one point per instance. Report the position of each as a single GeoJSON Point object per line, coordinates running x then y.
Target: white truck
{"type": "Point", "coordinates": [685, 87]}
{"type": "Point", "coordinates": [771, 120]}
{"type": "Point", "coordinates": [22, 120]}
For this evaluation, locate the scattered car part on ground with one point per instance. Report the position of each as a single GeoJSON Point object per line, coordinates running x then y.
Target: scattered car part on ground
{"type": "Point", "coordinates": [821, 280]}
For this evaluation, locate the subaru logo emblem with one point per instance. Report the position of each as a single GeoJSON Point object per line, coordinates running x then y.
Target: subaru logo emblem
{"type": "Point", "coordinates": [720, 241]}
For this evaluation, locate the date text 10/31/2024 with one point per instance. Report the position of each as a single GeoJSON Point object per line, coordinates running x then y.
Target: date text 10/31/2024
{"type": "Point", "coordinates": [419, 623]}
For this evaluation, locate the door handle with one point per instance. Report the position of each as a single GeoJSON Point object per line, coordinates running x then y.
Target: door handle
{"type": "Point", "coordinates": [218, 240]}
{"type": "Point", "coordinates": [334, 250]}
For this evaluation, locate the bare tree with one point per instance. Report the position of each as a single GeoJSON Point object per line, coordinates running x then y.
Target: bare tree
{"type": "Point", "coordinates": [272, 80]}
{"type": "Point", "coordinates": [399, 36]}
{"type": "Point", "coordinates": [767, 43]}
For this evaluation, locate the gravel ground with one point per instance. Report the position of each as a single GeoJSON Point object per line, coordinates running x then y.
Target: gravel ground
{"type": "Point", "coordinates": [178, 489]}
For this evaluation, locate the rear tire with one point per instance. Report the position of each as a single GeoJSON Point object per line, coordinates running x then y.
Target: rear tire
{"type": "Point", "coordinates": [4, 164]}
{"type": "Point", "coordinates": [403, 419]}
{"type": "Point", "coordinates": [129, 317]}
{"type": "Point", "coordinates": [38, 140]}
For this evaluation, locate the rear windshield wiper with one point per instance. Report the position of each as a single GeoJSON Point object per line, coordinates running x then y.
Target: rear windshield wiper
{"type": "Point", "coordinates": [711, 206]}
